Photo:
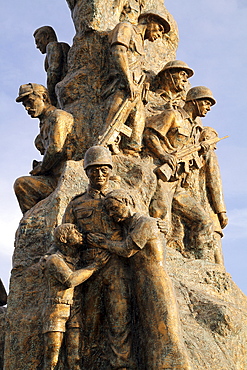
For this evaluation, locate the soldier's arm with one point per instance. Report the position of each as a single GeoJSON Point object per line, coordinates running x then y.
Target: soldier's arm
{"type": "Point", "coordinates": [54, 153]}
{"type": "Point", "coordinates": [152, 137]}
{"type": "Point", "coordinates": [120, 40]}
{"type": "Point", "coordinates": [119, 54]}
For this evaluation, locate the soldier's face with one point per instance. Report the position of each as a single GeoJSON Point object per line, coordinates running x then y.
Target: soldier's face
{"type": "Point", "coordinates": [98, 176]}
{"type": "Point", "coordinates": [117, 210]}
{"type": "Point", "coordinates": [180, 79]}
{"type": "Point", "coordinates": [34, 105]}
{"type": "Point", "coordinates": [41, 42]}
{"type": "Point", "coordinates": [204, 107]}
{"type": "Point", "coordinates": [153, 32]}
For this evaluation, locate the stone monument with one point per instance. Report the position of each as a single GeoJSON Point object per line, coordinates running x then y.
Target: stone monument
{"type": "Point", "coordinates": [118, 261]}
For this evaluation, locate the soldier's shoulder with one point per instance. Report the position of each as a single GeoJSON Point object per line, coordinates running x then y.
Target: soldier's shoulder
{"type": "Point", "coordinates": [62, 114]}
{"type": "Point", "coordinates": [122, 32]}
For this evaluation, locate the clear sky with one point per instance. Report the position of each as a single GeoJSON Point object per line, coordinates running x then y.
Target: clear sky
{"type": "Point", "coordinates": [213, 39]}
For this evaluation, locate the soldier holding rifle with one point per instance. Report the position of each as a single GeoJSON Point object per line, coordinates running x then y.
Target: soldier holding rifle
{"type": "Point", "coordinates": [166, 134]}
{"type": "Point", "coordinates": [125, 81]}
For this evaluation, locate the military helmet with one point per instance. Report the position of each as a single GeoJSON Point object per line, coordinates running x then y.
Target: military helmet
{"type": "Point", "coordinates": [200, 92]}
{"type": "Point", "coordinates": [97, 155]}
{"type": "Point", "coordinates": [152, 14]}
{"type": "Point", "coordinates": [177, 64]}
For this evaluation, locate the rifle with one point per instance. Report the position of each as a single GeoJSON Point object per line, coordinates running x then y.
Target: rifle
{"type": "Point", "coordinates": [117, 124]}
{"type": "Point", "coordinates": [165, 172]}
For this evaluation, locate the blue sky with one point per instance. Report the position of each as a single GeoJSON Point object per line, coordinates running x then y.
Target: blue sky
{"type": "Point", "coordinates": [213, 39]}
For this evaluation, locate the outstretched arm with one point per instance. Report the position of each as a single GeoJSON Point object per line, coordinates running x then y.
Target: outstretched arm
{"type": "Point", "coordinates": [79, 276]}
{"type": "Point", "coordinates": [122, 248]}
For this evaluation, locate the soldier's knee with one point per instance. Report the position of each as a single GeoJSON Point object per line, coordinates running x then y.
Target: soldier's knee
{"type": "Point", "coordinates": [19, 184]}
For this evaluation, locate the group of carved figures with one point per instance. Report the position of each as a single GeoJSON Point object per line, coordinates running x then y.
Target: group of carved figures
{"type": "Point", "coordinates": [106, 271]}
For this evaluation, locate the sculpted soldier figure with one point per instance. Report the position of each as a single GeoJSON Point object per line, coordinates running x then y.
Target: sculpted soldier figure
{"type": "Point", "coordinates": [56, 57]}
{"type": "Point", "coordinates": [160, 344]}
{"type": "Point", "coordinates": [106, 296]}
{"type": "Point", "coordinates": [212, 193]}
{"type": "Point", "coordinates": [168, 87]}
{"type": "Point", "coordinates": [165, 135]}
{"type": "Point", "coordinates": [52, 142]}
{"type": "Point", "coordinates": [125, 82]}
{"type": "Point", "coordinates": [62, 313]}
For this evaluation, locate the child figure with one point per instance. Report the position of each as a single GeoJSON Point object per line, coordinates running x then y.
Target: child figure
{"type": "Point", "coordinates": [62, 312]}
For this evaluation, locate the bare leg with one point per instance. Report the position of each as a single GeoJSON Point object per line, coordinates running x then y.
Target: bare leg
{"type": "Point", "coordinates": [73, 343]}
{"type": "Point", "coordinates": [53, 341]}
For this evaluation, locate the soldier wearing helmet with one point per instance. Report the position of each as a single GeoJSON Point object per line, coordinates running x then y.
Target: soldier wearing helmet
{"type": "Point", "coordinates": [125, 80]}
{"type": "Point", "coordinates": [52, 142]}
{"type": "Point", "coordinates": [168, 87]}
{"type": "Point", "coordinates": [109, 288]}
{"type": "Point", "coordinates": [167, 133]}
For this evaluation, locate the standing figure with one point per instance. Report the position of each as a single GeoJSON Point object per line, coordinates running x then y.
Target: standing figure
{"type": "Point", "coordinates": [62, 313]}
{"type": "Point", "coordinates": [212, 192]}
{"type": "Point", "coordinates": [56, 57]}
{"type": "Point", "coordinates": [165, 136]}
{"type": "Point", "coordinates": [126, 77]}
{"type": "Point", "coordinates": [106, 296]}
{"type": "Point", "coordinates": [53, 142]}
{"type": "Point", "coordinates": [159, 344]}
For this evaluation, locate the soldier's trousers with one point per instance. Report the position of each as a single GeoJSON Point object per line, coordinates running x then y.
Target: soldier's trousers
{"type": "Point", "coordinates": [30, 190]}
{"type": "Point", "coordinates": [170, 196]}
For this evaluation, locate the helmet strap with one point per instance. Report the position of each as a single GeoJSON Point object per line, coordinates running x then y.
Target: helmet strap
{"type": "Point", "coordinates": [195, 102]}
{"type": "Point", "coordinates": [173, 82]}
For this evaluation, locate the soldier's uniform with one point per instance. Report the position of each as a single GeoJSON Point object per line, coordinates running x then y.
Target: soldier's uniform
{"type": "Point", "coordinates": [174, 193]}
{"type": "Point", "coordinates": [105, 297]}
{"type": "Point", "coordinates": [53, 142]}
{"type": "Point", "coordinates": [128, 35]}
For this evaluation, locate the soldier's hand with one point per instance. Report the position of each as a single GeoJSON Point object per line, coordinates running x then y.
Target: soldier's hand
{"type": "Point", "coordinates": [37, 170]}
{"type": "Point", "coordinates": [169, 159]}
{"type": "Point", "coordinates": [204, 148]}
{"type": "Point", "coordinates": [132, 91]}
{"type": "Point", "coordinates": [223, 219]}
{"type": "Point", "coordinates": [163, 226]}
